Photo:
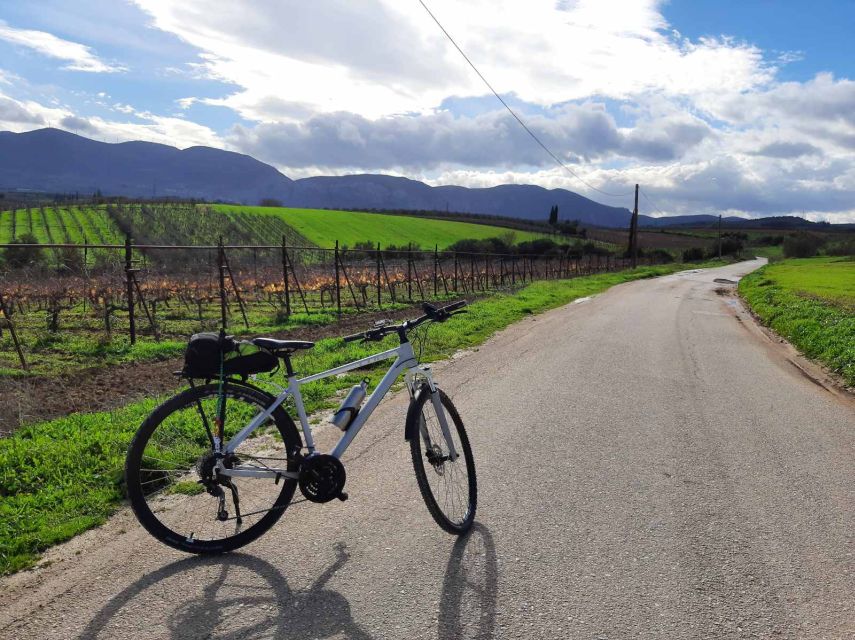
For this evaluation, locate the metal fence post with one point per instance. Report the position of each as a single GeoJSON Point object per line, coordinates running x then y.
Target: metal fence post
{"type": "Point", "coordinates": [129, 282]}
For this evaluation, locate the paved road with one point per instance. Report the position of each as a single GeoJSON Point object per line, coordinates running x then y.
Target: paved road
{"type": "Point", "coordinates": [650, 466]}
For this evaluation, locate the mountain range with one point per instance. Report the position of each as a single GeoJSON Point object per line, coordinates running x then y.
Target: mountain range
{"type": "Point", "coordinates": [55, 161]}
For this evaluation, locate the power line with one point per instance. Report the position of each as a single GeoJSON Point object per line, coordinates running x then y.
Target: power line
{"type": "Point", "coordinates": [651, 203]}
{"type": "Point", "coordinates": [513, 113]}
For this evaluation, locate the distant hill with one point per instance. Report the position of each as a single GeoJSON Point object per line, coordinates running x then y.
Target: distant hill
{"type": "Point", "coordinates": [56, 161]}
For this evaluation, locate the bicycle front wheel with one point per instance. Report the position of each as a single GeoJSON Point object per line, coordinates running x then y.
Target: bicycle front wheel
{"type": "Point", "coordinates": [448, 486]}
{"type": "Point", "coordinates": [172, 488]}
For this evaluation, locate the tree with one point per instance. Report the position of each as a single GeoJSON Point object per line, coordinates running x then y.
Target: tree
{"type": "Point", "coordinates": [553, 215]}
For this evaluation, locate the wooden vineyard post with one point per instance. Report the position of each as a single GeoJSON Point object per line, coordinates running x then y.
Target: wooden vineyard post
{"type": "Point", "coordinates": [442, 278]}
{"type": "Point", "coordinates": [455, 272]}
{"type": "Point", "coordinates": [486, 271]}
{"type": "Point", "coordinates": [285, 282]}
{"type": "Point", "coordinates": [12, 332]}
{"type": "Point", "coordinates": [288, 274]}
{"type": "Point", "coordinates": [347, 281]}
{"type": "Point", "coordinates": [238, 297]}
{"type": "Point", "coordinates": [129, 282]}
{"type": "Point", "coordinates": [379, 282]}
{"type": "Point", "coordinates": [435, 267]}
{"type": "Point", "coordinates": [386, 275]}
{"type": "Point", "coordinates": [337, 283]}
{"type": "Point", "coordinates": [410, 271]}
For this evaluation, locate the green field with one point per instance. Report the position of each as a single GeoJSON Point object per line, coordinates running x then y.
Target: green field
{"type": "Point", "coordinates": [323, 227]}
{"type": "Point", "coordinates": [62, 477]}
{"type": "Point", "coordinates": [811, 302]}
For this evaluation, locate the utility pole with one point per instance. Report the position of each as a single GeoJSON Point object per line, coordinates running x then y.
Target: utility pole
{"type": "Point", "coordinates": [719, 236]}
{"type": "Point", "coordinates": [633, 233]}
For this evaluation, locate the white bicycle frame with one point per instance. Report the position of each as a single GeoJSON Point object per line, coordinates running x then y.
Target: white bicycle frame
{"type": "Point", "coordinates": [405, 362]}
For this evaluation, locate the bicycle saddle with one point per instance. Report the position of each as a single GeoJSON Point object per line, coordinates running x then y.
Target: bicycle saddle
{"type": "Point", "coordinates": [290, 346]}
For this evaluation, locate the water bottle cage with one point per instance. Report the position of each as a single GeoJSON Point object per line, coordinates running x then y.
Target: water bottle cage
{"type": "Point", "coordinates": [353, 412]}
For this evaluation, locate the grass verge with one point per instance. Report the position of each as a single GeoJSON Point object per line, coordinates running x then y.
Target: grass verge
{"type": "Point", "coordinates": [808, 302]}
{"type": "Point", "coordinates": [62, 477]}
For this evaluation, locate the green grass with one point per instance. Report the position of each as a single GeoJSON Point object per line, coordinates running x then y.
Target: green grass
{"type": "Point", "coordinates": [323, 227]}
{"type": "Point", "coordinates": [810, 302]}
{"type": "Point", "coordinates": [830, 279]}
{"type": "Point", "coordinates": [62, 477]}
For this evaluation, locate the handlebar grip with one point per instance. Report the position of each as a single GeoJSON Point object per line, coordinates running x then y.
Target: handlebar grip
{"type": "Point", "coordinates": [455, 306]}
{"type": "Point", "coordinates": [354, 337]}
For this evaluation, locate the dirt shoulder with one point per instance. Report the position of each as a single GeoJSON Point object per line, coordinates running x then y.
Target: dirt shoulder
{"type": "Point", "coordinates": [101, 388]}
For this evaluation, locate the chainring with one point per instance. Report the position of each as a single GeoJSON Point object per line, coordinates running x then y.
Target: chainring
{"type": "Point", "coordinates": [322, 477]}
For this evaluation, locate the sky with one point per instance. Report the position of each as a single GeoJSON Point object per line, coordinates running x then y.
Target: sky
{"type": "Point", "coordinates": [713, 106]}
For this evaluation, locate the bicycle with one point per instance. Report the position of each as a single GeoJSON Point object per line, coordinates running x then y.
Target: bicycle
{"type": "Point", "coordinates": [230, 438]}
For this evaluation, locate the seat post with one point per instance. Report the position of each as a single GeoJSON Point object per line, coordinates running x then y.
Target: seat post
{"type": "Point", "coordinates": [289, 370]}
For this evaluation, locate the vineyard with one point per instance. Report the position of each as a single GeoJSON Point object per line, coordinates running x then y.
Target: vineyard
{"type": "Point", "coordinates": [144, 300]}
{"type": "Point", "coordinates": [150, 223]}
{"type": "Point", "coordinates": [74, 225]}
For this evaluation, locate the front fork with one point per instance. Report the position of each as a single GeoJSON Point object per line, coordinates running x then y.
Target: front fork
{"type": "Point", "coordinates": [414, 378]}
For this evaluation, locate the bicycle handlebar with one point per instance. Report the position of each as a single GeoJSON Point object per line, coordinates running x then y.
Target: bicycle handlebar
{"type": "Point", "coordinates": [432, 313]}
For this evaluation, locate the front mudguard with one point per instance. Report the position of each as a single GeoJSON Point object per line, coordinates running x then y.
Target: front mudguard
{"type": "Point", "coordinates": [411, 428]}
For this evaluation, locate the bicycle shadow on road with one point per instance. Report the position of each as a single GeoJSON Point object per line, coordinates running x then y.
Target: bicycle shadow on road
{"type": "Point", "coordinates": [467, 607]}
{"type": "Point", "coordinates": [233, 596]}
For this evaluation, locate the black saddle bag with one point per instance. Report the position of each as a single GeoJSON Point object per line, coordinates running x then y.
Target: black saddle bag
{"type": "Point", "coordinates": [205, 352]}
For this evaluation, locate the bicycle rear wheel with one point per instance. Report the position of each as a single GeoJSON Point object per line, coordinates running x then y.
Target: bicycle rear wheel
{"type": "Point", "coordinates": [169, 470]}
{"type": "Point", "coordinates": [449, 487]}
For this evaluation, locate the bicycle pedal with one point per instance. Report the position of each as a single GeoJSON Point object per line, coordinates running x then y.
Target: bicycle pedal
{"type": "Point", "coordinates": [342, 496]}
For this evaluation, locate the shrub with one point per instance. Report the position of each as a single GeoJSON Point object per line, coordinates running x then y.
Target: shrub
{"type": "Point", "coordinates": [843, 248]}
{"type": "Point", "coordinates": [661, 256]}
{"type": "Point", "coordinates": [695, 254]}
{"type": "Point", "coordinates": [801, 245]}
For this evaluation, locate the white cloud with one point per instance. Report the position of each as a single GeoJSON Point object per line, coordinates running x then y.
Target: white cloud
{"type": "Point", "coordinates": [79, 57]}
{"type": "Point", "coordinates": [24, 115]}
{"type": "Point", "coordinates": [342, 140]}
{"type": "Point", "coordinates": [381, 58]}
{"type": "Point", "coordinates": [16, 115]}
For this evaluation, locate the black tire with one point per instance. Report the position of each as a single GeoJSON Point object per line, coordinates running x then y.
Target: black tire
{"type": "Point", "coordinates": [457, 511]}
{"type": "Point", "coordinates": [168, 481]}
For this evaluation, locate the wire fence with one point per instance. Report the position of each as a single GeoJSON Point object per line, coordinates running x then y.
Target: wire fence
{"type": "Point", "coordinates": [163, 291]}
